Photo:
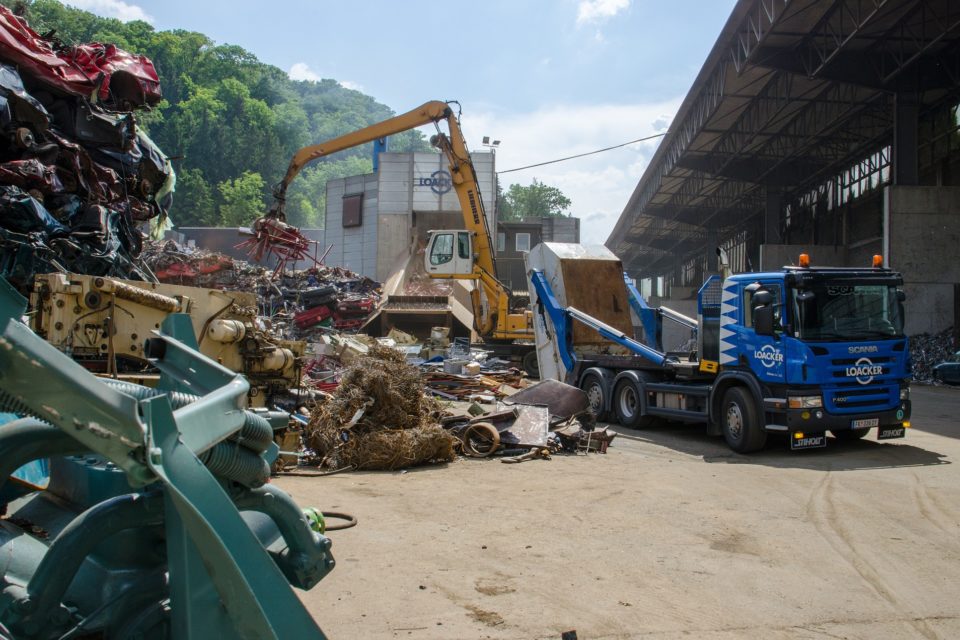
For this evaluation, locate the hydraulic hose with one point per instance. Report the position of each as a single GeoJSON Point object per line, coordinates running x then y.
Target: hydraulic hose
{"type": "Point", "coordinates": [140, 392]}
{"type": "Point", "coordinates": [256, 433]}
{"type": "Point", "coordinates": [230, 460]}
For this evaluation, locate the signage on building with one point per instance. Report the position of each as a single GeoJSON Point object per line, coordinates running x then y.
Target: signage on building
{"type": "Point", "coordinates": [440, 182]}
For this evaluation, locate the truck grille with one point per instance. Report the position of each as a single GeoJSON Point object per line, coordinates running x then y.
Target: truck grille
{"type": "Point", "coordinates": [851, 396]}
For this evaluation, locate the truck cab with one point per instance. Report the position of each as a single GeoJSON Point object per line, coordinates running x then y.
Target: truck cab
{"type": "Point", "coordinates": [826, 346]}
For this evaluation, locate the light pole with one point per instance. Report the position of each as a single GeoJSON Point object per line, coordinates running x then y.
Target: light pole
{"type": "Point", "coordinates": [493, 146]}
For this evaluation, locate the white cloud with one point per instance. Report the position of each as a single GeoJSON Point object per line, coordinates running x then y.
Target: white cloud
{"type": "Point", "coordinates": [112, 9]}
{"type": "Point", "coordinates": [302, 71]}
{"type": "Point", "coordinates": [598, 185]}
{"type": "Point", "coordinates": [591, 11]}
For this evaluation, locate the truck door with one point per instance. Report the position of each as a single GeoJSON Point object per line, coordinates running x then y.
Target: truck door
{"type": "Point", "coordinates": [765, 354]}
{"type": "Point", "coordinates": [449, 253]}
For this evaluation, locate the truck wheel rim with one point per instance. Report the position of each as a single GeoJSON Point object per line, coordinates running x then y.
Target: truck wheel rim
{"type": "Point", "coordinates": [628, 402]}
{"type": "Point", "coordinates": [595, 398]}
{"type": "Point", "coordinates": [734, 420]}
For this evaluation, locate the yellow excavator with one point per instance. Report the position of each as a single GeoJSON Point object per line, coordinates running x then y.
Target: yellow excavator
{"type": "Point", "coordinates": [465, 254]}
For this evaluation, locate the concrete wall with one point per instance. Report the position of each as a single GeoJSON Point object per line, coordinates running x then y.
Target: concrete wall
{"type": "Point", "coordinates": [921, 234]}
{"type": "Point", "coordinates": [353, 247]}
{"type": "Point", "coordinates": [775, 256]}
{"type": "Point", "coordinates": [674, 335]}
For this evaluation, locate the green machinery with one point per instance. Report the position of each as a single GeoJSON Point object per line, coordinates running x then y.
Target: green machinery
{"type": "Point", "coordinates": [156, 521]}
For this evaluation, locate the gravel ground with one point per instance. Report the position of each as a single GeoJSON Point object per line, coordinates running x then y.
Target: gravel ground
{"type": "Point", "coordinates": [669, 535]}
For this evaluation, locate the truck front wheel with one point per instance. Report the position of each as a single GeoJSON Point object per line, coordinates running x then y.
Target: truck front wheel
{"type": "Point", "coordinates": [739, 422]}
{"type": "Point", "coordinates": [628, 405]}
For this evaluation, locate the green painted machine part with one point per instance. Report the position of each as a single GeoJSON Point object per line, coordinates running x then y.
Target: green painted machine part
{"type": "Point", "coordinates": [155, 523]}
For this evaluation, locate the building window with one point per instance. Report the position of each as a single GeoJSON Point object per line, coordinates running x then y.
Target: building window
{"type": "Point", "coordinates": [523, 242]}
{"type": "Point", "coordinates": [501, 242]}
{"type": "Point", "coordinates": [353, 210]}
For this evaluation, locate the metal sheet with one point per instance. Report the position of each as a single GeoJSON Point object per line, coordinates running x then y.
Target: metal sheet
{"type": "Point", "coordinates": [562, 400]}
{"type": "Point", "coordinates": [529, 429]}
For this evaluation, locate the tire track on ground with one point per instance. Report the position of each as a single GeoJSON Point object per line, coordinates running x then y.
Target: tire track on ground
{"type": "Point", "coordinates": [822, 511]}
{"type": "Point", "coordinates": [932, 509]}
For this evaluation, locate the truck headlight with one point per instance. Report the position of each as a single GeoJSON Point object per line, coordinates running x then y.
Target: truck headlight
{"type": "Point", "coordinates": [805, 402]}
{"type": "Point", "coordinates": [904, 393]}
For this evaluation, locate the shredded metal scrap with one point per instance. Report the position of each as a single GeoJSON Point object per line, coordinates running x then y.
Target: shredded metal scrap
{"type": "Point", "coordinates": [927, 351]}
{"type": "Point", "coordinates": [379, 418]}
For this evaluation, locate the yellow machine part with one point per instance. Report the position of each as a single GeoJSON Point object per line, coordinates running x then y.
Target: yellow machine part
{"type": "Point", "coordinates": [103, 322]}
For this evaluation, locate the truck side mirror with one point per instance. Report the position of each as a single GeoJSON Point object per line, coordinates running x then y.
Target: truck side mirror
{"type": "Point", "coordinates": [763, 320]}
{"type": "Point", "coordinates": [762, 298]}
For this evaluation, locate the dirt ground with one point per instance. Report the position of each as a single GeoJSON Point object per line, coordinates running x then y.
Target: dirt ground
{"type": "Point", "coordinates": [669, 535]}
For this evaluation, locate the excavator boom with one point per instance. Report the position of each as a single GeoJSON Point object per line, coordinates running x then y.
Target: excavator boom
{"type": "Point", "coordinates": [490, 317]}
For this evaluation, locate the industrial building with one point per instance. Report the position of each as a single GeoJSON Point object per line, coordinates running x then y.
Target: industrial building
{"type": "Point", "coordinates": [821, 126]}
{"type": "Point", "coordinates": [376, 222]}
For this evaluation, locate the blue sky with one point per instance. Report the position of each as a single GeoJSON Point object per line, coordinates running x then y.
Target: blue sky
{"type": "Point", "coordinates": [549, 78]}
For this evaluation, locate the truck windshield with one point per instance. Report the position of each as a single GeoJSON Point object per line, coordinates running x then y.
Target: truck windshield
{"type": "Point", "coordinates": [847, 312]}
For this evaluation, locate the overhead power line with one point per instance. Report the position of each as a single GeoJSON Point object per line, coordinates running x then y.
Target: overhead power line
{"type": "Point", "coordinates": [588, 153]}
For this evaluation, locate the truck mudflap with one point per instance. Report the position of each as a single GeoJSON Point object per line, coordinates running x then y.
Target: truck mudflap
{"type": "Point", "coordinates": [807, 440]}
{"type": "Point", "coordinates": [891, 432]}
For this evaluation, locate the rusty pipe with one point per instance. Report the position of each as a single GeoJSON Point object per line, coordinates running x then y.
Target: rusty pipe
{"type": "Point", "coordinates": [138, 295]}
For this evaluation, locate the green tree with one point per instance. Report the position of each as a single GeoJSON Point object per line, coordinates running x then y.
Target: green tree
{"type": "Point", "coordinates": [194, 200]}
{"type": "Point", "coordinates": [242, 200]}
{"type": "Point", "coordinates": [534, 201]}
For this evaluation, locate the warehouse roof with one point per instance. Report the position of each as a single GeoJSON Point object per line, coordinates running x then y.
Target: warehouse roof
{"type": "Point", "coordinates": [792, 92]}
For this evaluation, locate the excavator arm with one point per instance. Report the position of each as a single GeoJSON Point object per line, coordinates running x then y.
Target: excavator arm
{"type": "Point", "coordinates": [493, 318]}
{"type": "Point", "coordinates": [433, 111]}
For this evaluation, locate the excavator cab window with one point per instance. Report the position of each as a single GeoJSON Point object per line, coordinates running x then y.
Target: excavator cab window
{"type": "Point", "coordinates": [441, 252]}
{"type": "Point", "coordinates": [463, 245]}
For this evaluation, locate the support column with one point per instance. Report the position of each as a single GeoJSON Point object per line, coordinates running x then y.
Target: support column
{"type": "Point", "coordinates": [713, 262]}
{"type": "Point", "coordinates": [771, 216]}
{"type": "Point", "coordinates": [906, 134]}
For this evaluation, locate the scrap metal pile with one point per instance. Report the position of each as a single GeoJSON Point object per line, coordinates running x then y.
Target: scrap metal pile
{"type": "Point", "coordinates": [77, 172]}
{"type": "Point", "coordinates": [927, 351]}
{"type": "Point", "coordinates": [386, 413]}
{"type": "Point", "coordinates": [299, 304]}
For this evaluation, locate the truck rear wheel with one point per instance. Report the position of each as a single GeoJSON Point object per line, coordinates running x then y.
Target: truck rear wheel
{"type": "Point", "coordinates": [530, 364]}
{"type": "Point", "coordinates": [739, 422]}
{"type": "Point", "coordinates": [592, 385]}
{"type": "Point", "coordinates": [628, 405]}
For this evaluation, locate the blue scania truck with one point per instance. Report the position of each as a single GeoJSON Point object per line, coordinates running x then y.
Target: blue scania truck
{"type": "Point", "coordinates": [802, 351]}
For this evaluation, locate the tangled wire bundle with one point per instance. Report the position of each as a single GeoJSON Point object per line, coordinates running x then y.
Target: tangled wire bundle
{"type": "Point", "coordinates": [397, 428]}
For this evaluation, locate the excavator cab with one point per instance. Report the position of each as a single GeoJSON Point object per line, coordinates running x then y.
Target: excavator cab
{"type": "Point", "coordinates": [449, 253]}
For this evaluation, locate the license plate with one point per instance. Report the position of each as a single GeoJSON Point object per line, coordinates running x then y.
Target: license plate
{"type": "Point", "coordinates": [888, 433]}
{"type": "Point", "coordinates": [814, 441]}
{"type": "Point", "coordinates": [865, 423]}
